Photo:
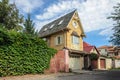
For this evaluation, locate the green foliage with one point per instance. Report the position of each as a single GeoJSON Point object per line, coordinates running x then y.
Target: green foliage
{"type": "Point", "coordinates": [9, 15]}
{"type": "Point", "coordinates": [23, 54]}
{"type": "Point", "coordinates": [94, 56]}
{"type": "Point", "coordinates": [115, 16]}
{"type": "Point", "coordinates": [29, 26]}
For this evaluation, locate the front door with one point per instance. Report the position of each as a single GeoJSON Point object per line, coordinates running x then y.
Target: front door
{"type": "Point", "coordinates": [102, 63]}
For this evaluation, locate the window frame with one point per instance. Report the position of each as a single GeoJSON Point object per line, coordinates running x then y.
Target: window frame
{"type": "Point", "coordinates": [59, 40]}
{"type": "Point", "coordinates": [74, 23]}
{"type": "Point", "coordinates": [75, 40]}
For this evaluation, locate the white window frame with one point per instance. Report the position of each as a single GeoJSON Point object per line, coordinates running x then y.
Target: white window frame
{"type": "Point", "coordinates": [74, 23]}
{"type": "Point", "coordinates": [75, 40]}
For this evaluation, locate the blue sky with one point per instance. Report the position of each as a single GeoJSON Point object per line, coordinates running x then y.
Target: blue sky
{"type": "Point", "coordinates": [92, 13]}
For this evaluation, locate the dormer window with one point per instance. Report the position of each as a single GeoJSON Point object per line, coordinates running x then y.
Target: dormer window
{"type": "Point", "coordinates": [45, 29]}
{"type": "Point", "coordinates": [51, 26]}
{"type": "Point", "coordinates": [60, 22]}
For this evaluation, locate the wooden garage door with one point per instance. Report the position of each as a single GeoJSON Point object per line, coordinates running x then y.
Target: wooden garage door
{"type": "Point", "coordinates": [102, 63]}
{"type": "Point", "coordinates": [74, 63]}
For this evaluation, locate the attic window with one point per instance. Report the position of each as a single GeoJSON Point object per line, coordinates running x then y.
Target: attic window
{"type": "Point", "coordinates": [45, 29]}
{"type": "Point", "coordinates": [51, 26]}
{"type": "Point", "coordinates": [60, 22]}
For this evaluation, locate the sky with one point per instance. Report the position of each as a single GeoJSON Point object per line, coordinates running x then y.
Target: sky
{"type": "Point", "coordinates": [93, 15]}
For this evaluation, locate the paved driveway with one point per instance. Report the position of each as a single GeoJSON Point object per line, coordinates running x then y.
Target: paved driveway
{"type": "Point", "coordinates": [94, 75]}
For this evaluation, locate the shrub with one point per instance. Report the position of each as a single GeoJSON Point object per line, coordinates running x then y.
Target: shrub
{"type": "Point", "coordinates": [94, 56]}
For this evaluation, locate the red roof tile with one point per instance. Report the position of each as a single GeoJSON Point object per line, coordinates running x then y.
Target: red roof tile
{"type": "Point", "coordinates": [117, 57]}
{"type": "Point", "coordinates": [87, 47]}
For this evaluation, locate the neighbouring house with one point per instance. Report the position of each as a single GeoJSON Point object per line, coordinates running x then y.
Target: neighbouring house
{"type": "Point", "coordinates": [103, 61]}
{"type": "Point", "coordinates": [110, 52]}
{"type": "Point", "coordinates": [87, 61]}
{"type": "Point", "coordinates": [66, 35]}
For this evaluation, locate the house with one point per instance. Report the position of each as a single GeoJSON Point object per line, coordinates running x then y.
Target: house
{"type": "Point", "coordinates": [65, 34]}
{"type": "Point", "coordinates": [113, 52]}
{"type": "Point", "coordinates": [87, 61]}
{"type": "Point", "coordinates": [103, 62]}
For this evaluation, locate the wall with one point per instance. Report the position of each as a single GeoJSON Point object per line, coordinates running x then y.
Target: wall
{"type": "Point", "coordinates": [117, 63]}
{"type": "Point", "coordinates": [108, 63]}
{"type": "Point", "coordinates": [103, 52]}
{"type": "Point", "coordinates": [52, 41]}
{"type": "Point", "coordinates": [69, 37]}
{"type": "Point", "coordinates": [59, 63]}
{"type": "Point", "coordinates": [94, 51]}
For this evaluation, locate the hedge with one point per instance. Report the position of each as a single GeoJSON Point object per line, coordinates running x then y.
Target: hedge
{"type": "Point", "coordinates": [23, 54]}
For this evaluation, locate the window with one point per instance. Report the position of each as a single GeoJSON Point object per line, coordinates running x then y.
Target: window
{"type": "Point", "coordinates": [74, 24]}
{"type": "Point", "coordinates": [75, 40]}
{"type": "Point", "coordinates": [60, 22]}
{"type": "Point", "coordinates": [58, 40]}
{"type": "Point", "coordinates": [45, 29]}
{"type": "Point", "coordinates": [44, 39]}
{"type": "Point", "coordinates": [51, 26]}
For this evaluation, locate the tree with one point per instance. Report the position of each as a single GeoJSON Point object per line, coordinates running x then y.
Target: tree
{"type": "Point", "coordinates": [115, 16]}
{"type": "Point", "coordinates": [29, 26]}
{"type": "Point", "coordinates": [9, 15]}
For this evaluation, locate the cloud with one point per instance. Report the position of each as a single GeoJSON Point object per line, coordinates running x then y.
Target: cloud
{"type": "Point", "coordinates": [93, 13]}
{"type": "Point", "coordinates": [107, 32]}
{"type": "Point", "coordinates": [26, 6]}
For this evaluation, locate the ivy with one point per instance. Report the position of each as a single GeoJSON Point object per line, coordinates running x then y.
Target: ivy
{"type": "Point", "coordinates": [22, 54]}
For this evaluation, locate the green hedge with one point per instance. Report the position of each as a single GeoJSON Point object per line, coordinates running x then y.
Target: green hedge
{"type": "Point", "coordinates": [22, 54]}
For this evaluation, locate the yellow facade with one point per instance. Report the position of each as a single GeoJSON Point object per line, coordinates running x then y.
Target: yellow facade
{"type": "Point", "coordinates": [94, 51]}
{"type": "Point", "coordinates": [67, 37]}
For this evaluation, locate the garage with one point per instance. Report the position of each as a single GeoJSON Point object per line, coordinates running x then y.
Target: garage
{"type": "Point", "coordinates": [102, 63]}
{"type": "Point", "coordinates": [74, 62]}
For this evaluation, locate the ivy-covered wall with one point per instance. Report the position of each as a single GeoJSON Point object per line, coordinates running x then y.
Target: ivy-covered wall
{"type": "Point", "coordinates": [23, 54]}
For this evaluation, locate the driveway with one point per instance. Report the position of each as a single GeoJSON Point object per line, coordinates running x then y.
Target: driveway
{"type": "Point", "coordinates": [94, 75]}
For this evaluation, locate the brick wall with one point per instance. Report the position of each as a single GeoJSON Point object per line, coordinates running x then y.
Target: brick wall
{"type": "Point", "coordinates": [58, 63]}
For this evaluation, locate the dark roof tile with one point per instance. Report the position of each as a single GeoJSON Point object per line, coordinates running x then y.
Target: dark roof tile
{"type": "Point", "coordinates": [56, 26]}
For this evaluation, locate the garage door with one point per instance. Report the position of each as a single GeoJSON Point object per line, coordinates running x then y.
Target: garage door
{"type": "Point", "coordinates": [74, 63]}
{"type": "Point", "coordinates": [102, 63]}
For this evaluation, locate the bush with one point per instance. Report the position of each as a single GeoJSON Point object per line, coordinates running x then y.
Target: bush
{"type": "Point", "coordinates": [94, 56]}
{"type": "Point", "coordinates": [22, 54]}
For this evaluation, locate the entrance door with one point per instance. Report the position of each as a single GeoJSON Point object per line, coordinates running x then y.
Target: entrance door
{"type": "Point", "coordinates": [102, 63]}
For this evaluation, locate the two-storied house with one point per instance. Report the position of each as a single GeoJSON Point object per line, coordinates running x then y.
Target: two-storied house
{"type": "Point", "coordinates": [66, 34]}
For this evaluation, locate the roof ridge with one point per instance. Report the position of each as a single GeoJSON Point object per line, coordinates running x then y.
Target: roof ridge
{"type": "Point", "coordinates": [60, 17]}
{"type": "Point", "coordinates": [57, 27]}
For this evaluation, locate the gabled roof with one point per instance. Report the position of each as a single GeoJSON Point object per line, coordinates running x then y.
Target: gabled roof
{"type": "Point", "coordinates": [105, 47]}
{"type": "Point", "coordinates": [57, 25]}
{"type": "Point", "coordinates": [110, 49]}
{"type": "Point", "coordinates": [87, 47]}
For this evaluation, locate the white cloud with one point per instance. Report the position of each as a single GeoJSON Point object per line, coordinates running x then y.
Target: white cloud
{"type": "Point", "coordinates": [27, 5]}
{"type": "Point", "coordinates": [107, 32]}
{"type": "Point", "coordinates": [93, 13]}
